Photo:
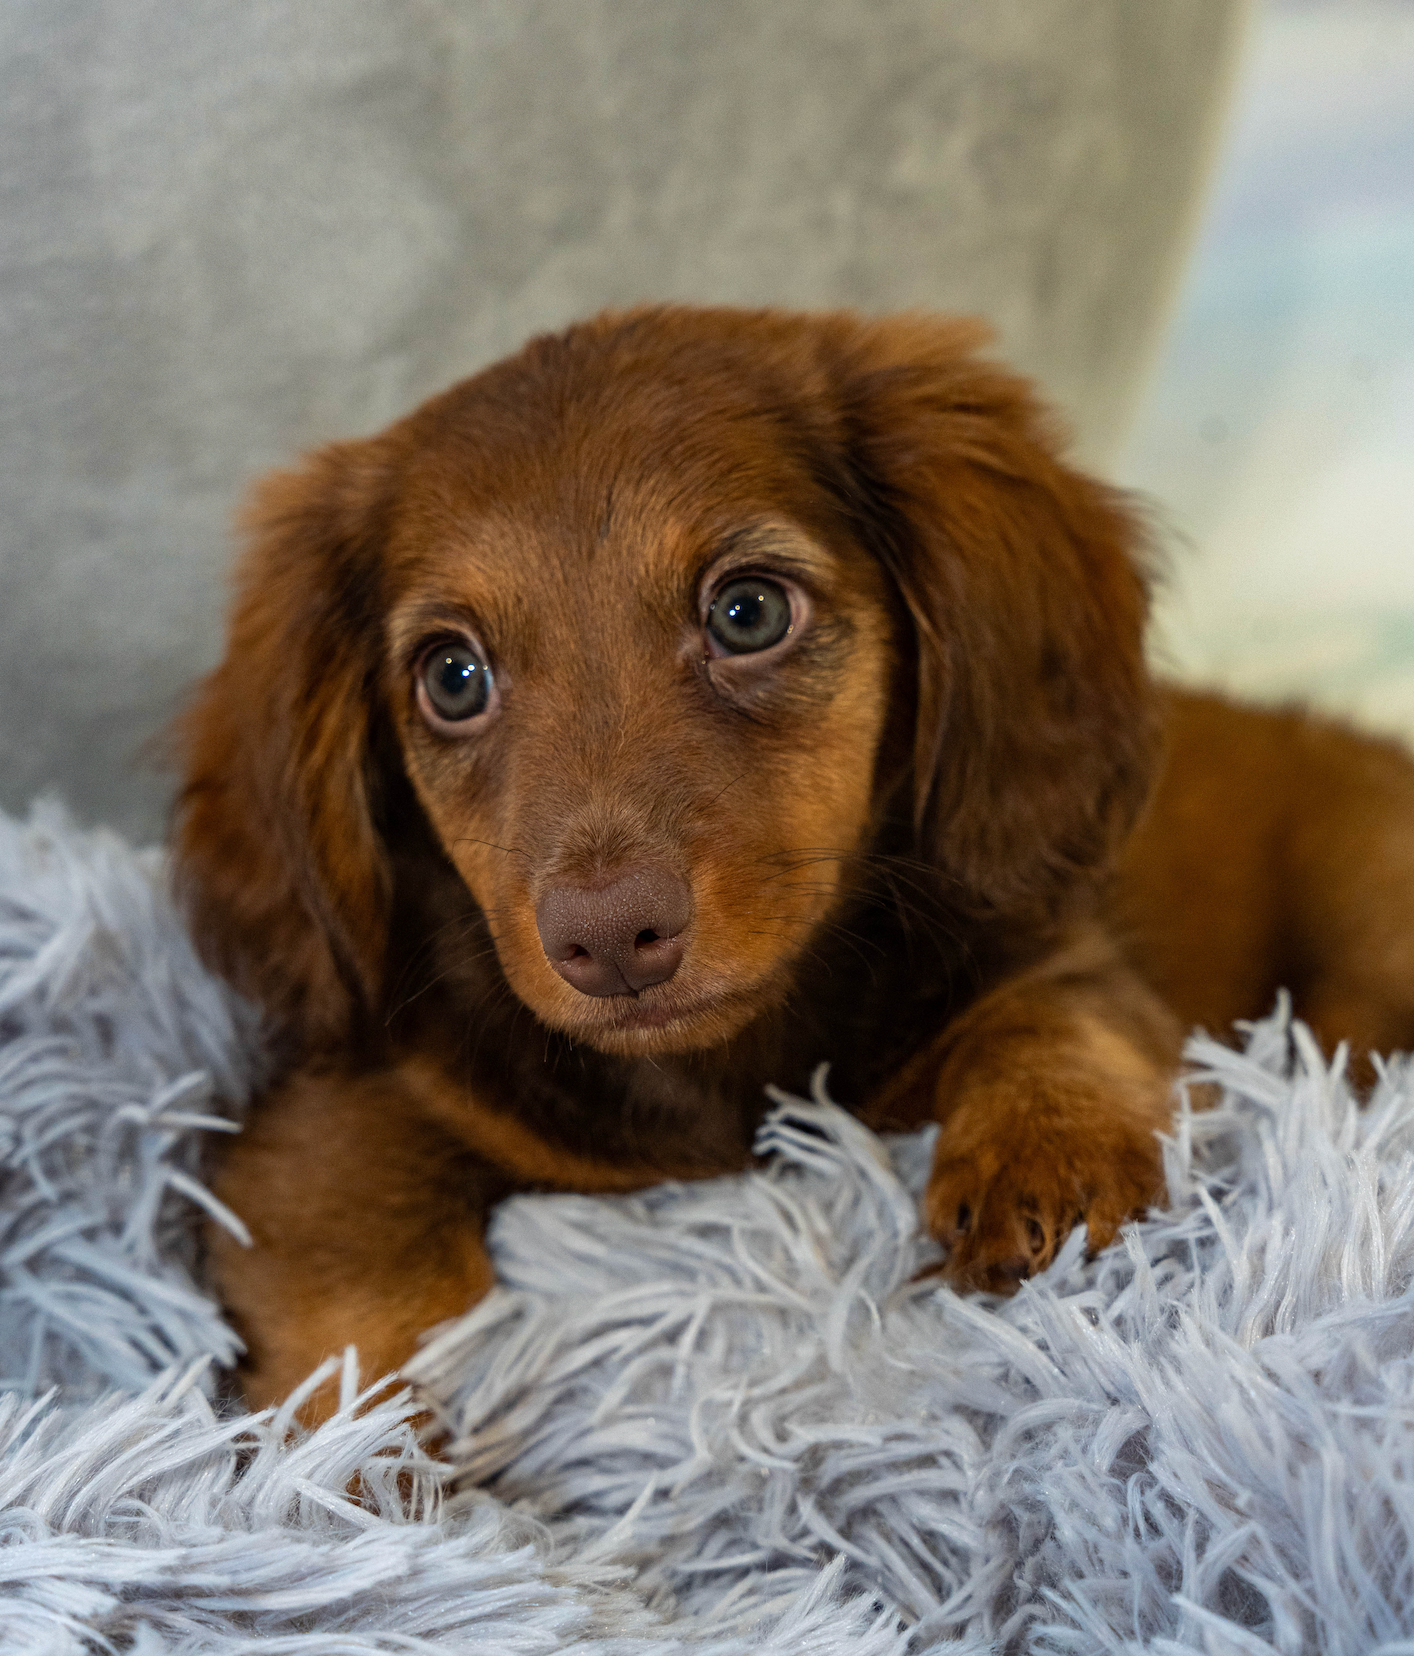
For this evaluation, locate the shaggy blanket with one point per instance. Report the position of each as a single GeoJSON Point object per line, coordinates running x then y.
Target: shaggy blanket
{"type": "Point", "coordinates": [725, 1417]}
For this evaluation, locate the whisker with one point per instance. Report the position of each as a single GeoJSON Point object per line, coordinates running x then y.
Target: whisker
{"type": "Point", "coordinates": [730, 785]}
{"type": "Point", "coordinates": [509, 850]}
{"type": "Point", "coordinates": [451, 968]}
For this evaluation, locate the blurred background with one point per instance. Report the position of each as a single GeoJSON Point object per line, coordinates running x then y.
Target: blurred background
{"type": "Point", "coordinates": [1278, 431]}
{"type": "Point", "coordinates": [231, 232]}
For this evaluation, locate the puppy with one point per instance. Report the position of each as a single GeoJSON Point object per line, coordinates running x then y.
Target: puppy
{"type": "Point", "coordinates": [692, 697]}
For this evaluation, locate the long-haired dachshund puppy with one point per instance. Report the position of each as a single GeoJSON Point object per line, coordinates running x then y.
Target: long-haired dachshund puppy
{"type": "Point", "coordinates": [693, 697]}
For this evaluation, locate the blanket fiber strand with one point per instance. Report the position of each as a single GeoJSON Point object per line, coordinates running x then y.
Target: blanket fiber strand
{"type": "Point", "coordinates": [730, 1417]}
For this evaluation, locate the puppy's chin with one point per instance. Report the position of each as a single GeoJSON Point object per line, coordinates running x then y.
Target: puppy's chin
{"type": "Point", "coordinates": [659, 1022]}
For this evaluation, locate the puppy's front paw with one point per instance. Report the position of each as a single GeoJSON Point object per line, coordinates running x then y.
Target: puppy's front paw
{"type": "Point", "coordinates": [1011, 1179]}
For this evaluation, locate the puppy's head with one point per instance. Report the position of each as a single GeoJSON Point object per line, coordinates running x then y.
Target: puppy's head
{"type": "Point", "coordinates": [659, 622]}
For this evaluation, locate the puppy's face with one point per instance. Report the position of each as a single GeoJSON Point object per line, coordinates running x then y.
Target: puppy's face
{"type": "Point", "coordinates": [640, 676]}
{"type": "Point", "coordinates": [662, 612]}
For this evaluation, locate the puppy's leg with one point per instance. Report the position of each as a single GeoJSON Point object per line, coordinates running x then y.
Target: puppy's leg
{"type": "Point", "coordinates": [1050, 1093]}
{"type": "Point", "coordinates": [366, 1221]}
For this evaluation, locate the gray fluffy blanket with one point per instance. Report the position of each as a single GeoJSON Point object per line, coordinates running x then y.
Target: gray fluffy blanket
{"type": "Point", "coordinates": [721, 1417]}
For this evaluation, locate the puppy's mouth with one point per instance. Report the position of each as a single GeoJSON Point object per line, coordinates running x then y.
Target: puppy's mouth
{"type": "Point", "coordinates": [645, 1010]}
{"type": "Point", "coordinates": [658, 1020]}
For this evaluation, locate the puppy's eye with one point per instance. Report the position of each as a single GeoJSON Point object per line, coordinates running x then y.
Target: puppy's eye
{"type": "Point", "coordinates": [748, 615]}
{"type": "Point", "coordinates": [455, 682]}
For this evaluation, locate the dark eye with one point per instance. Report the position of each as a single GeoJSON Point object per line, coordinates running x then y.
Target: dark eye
{"type": "Point", "coordinates": [748, 615]}
{"type": "Point", "coordinates": [456, 682]}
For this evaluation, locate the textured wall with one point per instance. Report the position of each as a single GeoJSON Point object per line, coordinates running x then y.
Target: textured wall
{"type": "Point", "coordinates": [230, 231]}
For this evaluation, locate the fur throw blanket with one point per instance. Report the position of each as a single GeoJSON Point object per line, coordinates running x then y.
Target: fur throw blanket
{"type": "Point", "coordinates": [726, 1417]}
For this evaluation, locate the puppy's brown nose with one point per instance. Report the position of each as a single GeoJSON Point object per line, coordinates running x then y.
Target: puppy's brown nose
{"type": "Point", "coordinates": [618, 939]}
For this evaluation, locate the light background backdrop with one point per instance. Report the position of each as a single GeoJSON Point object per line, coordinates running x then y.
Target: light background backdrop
{"type": "Point", "coordinates": [229, 232]}
{"type": "Point", "coordinates": [1278, 434]}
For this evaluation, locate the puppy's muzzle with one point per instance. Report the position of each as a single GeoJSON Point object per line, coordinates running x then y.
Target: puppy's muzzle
{"type": "Point", "coordinates": [619, 938]}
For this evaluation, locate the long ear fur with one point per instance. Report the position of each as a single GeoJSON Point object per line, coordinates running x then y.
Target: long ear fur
{"type": "Point", "coordinates": [278, 856]}
{"type": "Point", "coordinates": [1035, 725]}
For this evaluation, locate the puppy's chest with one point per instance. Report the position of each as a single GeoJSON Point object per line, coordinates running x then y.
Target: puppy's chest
{"type": "Point", "coordinates": [690, 1116]}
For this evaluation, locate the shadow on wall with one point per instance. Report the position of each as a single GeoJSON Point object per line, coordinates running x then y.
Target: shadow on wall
{"type": "Point", "coordinates": [1278, 437]}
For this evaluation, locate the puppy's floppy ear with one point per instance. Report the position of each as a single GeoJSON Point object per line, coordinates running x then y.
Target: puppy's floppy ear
{"type": "Point", "coordinates": [1036, 727]}
{"type": "Point", "coordinates": [278, 856]}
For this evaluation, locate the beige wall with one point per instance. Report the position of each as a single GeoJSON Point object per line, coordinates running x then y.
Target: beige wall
{"type": "Point", "coordinates": [234, 230]}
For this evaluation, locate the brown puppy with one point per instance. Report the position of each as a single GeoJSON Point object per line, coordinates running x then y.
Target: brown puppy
{"type": "Point", "coordinates": [695, 696]}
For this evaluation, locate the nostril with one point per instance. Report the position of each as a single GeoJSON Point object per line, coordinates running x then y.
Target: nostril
{"type": "Point", "coordinates": [652, 961]}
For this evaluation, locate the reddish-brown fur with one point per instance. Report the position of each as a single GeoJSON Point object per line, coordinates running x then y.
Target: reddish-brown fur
{"type": "Point", "coordinates": [916, 841]}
